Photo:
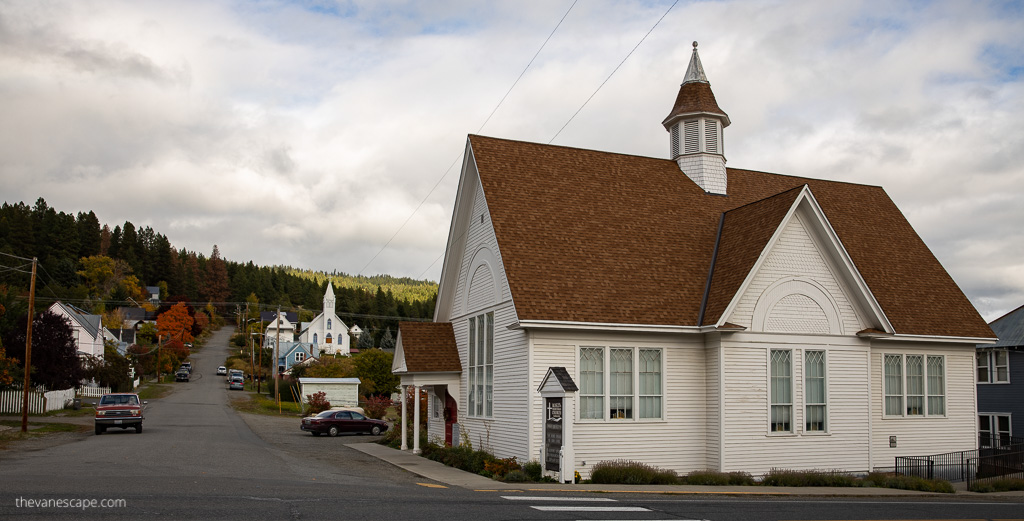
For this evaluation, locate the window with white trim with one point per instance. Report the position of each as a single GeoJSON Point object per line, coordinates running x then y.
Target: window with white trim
{"type": "Point", "coordinates": [481, 365]}
{"type": "Point", "coordinates": [919, 381]}
{"type": "Point", "coordinates": [994, 430]}
{"type": "Point", "coordinates": [650, 383]}
{"type": "Point", "coordinates": [815, 395]}
{"type": "Point", "coordinates": [993, 366]}
{"type": "Point", "coordinates": [592, 382]}
{"type": "Point", "coordinates": [300, 356]}
{"type": "Point", "coordinates": [620, 383]}
{"type": "Point", "coordinates": [781, 390]}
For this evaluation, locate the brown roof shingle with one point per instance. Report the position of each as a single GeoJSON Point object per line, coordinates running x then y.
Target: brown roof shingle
{"type": "Point", "coordinates": [589, 236]}
{"type": "Point", "coordinates": [695, 97]}
{"type": "Point", "coordinates": [429, 347]}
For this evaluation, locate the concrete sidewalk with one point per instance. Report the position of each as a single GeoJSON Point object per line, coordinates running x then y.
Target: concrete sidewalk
{"type": "Point", "coordinates": [442, 473]}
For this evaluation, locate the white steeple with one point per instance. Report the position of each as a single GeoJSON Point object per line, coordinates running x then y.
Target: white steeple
{"type": "Point", "coordinates": [695, 128]}
{"type": "Point", "coordinates": [329, 299]}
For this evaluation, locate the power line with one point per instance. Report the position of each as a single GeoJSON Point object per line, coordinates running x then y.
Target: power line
{"type": "Point", "coordinates": [459, 157]}
{"type": "Point", "coordinates": [613, 71]}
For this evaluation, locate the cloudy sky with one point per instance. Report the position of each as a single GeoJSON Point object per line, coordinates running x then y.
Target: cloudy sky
{"type": "Point", "coordinates": [307, 133]}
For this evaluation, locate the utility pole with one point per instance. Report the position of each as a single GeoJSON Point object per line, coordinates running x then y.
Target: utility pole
{"type": "Point", "coordinates": [28, 347]}
{"type": "Point", "coordinates": [277, 343]}
{"type": "Point", "coordinates": [259, 380]}
{"type": "Point", "coordinates": [159, 346]}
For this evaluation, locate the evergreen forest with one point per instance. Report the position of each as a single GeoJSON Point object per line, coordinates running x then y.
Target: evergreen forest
{"type": "Point", "coordinates": [86, 263]}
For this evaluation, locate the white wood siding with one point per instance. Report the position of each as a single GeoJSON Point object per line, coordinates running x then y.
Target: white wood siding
{"type": "Point", "coordinates": [480, 235]}
{"type": "Point", "coordinates": [712, 406]}
{"type": "Point", "coordinates": [748, 443]}
{"type": "Point", "coordinates": [796, 254]}
{"type": "Point", "coordinates": [929, 435]}
{"type": "Point", "coordinates": [676, 442]}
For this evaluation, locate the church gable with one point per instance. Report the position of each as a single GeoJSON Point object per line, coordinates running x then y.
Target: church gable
{"type": "Point", "coordinates": [801, 283]}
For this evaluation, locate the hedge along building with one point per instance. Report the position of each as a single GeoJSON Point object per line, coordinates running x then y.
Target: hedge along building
{"type": "Point", "coordinates": [705, 317]}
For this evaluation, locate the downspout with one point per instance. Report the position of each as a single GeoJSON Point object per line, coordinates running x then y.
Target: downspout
{"type": "Point", "coordinates": [711, 271]}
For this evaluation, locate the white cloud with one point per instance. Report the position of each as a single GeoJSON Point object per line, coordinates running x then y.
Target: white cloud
{"type": "Point", "coordinates": [305, 133]}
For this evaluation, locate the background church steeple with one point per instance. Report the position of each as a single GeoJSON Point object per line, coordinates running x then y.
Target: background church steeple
{"type": "Point", "coordinates": [329, 298]}
{"type": "Point", "coordinates": [695, 130]}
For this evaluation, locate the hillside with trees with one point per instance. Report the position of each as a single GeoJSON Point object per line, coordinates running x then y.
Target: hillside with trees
{"type": "Point", "coordinates": [88, 264]}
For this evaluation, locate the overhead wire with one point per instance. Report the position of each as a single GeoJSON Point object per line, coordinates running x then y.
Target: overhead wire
{"type": "Point", "coordinates": [635, 47]}
{"type": "Point", "coordinates": [459, 157]}
{"type": "Point", "coordinates": [613, 71]}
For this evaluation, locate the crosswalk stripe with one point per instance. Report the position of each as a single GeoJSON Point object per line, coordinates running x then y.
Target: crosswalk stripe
{"type": "Point", "coordinates": [556, 498]}
{"type": "Point", "coordinates": [588, 509]}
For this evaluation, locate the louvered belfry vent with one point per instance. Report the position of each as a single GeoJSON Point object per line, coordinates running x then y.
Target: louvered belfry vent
{"type": "Point", "coordinates": [674, 138]}
{"type": "Point", "coordinates": [711, 136]}
{"type": "Point", "coordinates": [691, 135]}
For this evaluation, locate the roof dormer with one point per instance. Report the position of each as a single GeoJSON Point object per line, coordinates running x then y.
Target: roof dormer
{"type": "Point", "coordinates": [695, 130]}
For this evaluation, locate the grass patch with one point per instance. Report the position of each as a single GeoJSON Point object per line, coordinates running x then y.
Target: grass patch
{"type": "Point", "coordinates": [998, 485]}
{"type": "Point", "coordinates": [153, 391]}
{"type": "Point", "coordinates": [35, 430]}
{"type": "Point", "coordinates": [261, 404]}
{"type": "Point", "coordinates": [85, 410]}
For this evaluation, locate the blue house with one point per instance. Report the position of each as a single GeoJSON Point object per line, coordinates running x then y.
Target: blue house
{"type": "Point", "coordinates": [1001, 382]}
{"type": "Point", "coordinates": [292, 353]}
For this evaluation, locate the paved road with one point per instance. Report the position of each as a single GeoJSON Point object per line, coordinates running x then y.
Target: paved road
{"type": "Point", "coordinates": [199, 459]}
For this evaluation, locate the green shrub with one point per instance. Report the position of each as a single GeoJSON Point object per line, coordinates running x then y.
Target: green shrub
{"type": "Point", "coordinates": [739, 478]}
{"type": "Point", "coordinates": [808, 478]}
{"type": "Point", "coordinates": [882, 480]}
{"type": "Point", "coordinates": [516, 476]}
{"type": "Point", "coordinates": [501, 467]}
{"type": "Point", "coordinates": [706, 477]}
{"type": "Point", "coordinates": [998, 485]}
{"type": "Point", "coordinates": [624, 472]}
{"type": "Point", "coordinates": [533, 470]}
{"type": "Point", "coordinates": [462, 457]}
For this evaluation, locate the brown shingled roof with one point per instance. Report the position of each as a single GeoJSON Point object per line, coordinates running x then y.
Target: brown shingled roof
{"type": "Point", "coordinates": [588, 236]}
{"type": "Point", "coordinates": [429, 347]}
{"type": "Point", "coordinates": [695, 97]}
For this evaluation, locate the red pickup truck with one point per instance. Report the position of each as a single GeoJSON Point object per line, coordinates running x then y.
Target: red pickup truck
{"type": "Point", "coordinates": [119, 410]}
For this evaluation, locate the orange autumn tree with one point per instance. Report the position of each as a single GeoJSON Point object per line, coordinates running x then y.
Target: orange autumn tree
{"type": "Point", "coordinates": [175, 323]}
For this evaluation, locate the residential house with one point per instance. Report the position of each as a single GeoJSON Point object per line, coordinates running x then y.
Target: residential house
{"type": "Point", "coordinates": [687, 315]}
{"type": "Point", "coordinates": [293, 353]}
{"type": "Point", "coordinates": [154, 294]}
{"type": "Point", "coordinates": [282, 326]}
{"type": "Point", "coordinates": [327, 333]}
{"type": "Point", "coordinates": [1001, 381]}
{"type": "Point", "coordinates": [86, 328]}
{"type": "Point", "coordinates": [122, 338]}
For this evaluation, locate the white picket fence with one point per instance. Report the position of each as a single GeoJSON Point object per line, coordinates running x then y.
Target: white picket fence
{"type": "Point", "coordinates": [93, 392]}
{"type": "Point", "coordinates": [38, 402]}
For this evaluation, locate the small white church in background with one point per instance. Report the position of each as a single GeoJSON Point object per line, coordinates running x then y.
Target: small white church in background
{"type": "Point", "coordinates": [327, 333]}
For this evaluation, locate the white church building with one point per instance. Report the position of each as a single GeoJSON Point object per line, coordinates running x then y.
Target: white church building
{"type": "Point", "coordinates": [327, 333]}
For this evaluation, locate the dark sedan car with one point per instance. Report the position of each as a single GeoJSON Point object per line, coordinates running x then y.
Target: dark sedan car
{"type": "Point", "coordinates": [337, 422]}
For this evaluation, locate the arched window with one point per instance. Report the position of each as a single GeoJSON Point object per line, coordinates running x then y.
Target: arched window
{"type": "Point", "coordinates": [314, 338]}
{"type": "Point", "coordinates": [328, 323]}
{"type": "Point", "coordinates": [328, 340]}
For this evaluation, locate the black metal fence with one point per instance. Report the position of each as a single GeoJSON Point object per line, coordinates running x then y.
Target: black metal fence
{"type": "Point", "coordinates": [995, 456]}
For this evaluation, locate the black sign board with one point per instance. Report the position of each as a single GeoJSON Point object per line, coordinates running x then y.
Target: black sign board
{"type": "Point", "coordinates": [552, 433]}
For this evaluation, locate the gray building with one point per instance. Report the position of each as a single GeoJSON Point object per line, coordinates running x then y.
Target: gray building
{"type": "Point", "coordinates": [1001, 381]}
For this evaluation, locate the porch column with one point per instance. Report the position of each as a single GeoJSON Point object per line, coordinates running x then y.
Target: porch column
{"type": "Point", "coordinates": [405, 444]}
{"type": "Point", "coordinates": [416, 420]}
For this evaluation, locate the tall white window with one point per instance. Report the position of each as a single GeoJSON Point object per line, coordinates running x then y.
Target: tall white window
{"type": "Point", "coordinates": [993, 366]}
{"type": "Point", "coordinates": [620, 380]}
{"type": "Point", "coordinates": [893, 385]}
{"type": "Point", "coordinates": [592, 382]}
{"type": "Point", "coordinates": [650, 383]}
{"type": "Point", "coordinates": [481, 365]}
{"type": "Point", "coordinates": [815, 401]}
{"type": "Point", "coordinates": [915, 385]}
{"type": "Point", "coordinates": [918, 381]}
{"type": "Point", "coordinates": [782, 390]}
{"type": "Point", "coordinates": [936, 386]}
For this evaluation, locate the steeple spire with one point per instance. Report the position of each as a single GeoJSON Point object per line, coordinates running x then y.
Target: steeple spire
{"type": "Point", "coordinates": [694, 71]}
